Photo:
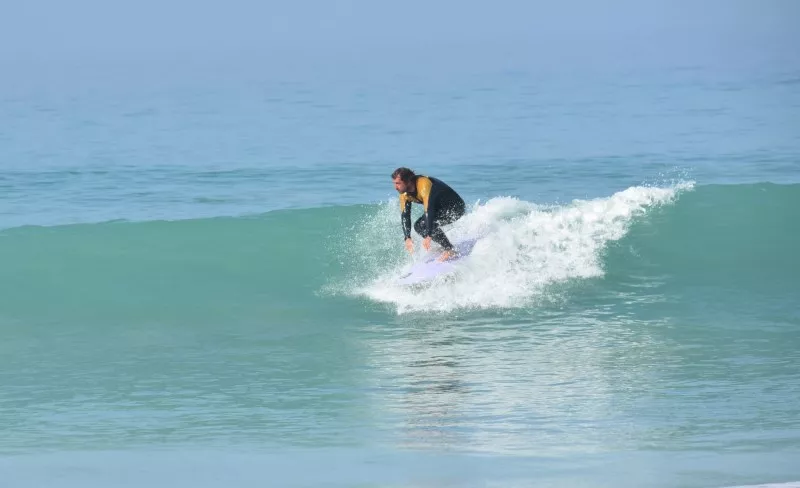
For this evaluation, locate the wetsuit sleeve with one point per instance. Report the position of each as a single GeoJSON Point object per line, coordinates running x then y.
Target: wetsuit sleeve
{"type": "Point", "coordinates": [429, 194]}
{"type": "Point", "coordinates": [405, 215]}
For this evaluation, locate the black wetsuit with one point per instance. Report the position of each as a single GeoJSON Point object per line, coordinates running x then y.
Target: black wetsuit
{"type": "Point", "coordinates": [442, 206]}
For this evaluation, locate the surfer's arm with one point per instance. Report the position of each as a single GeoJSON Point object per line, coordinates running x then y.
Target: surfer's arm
{"type": "Point", "coordinates": [432, 204]}
{"type": "Point", "coordinates": [425, 193]}
{"type": "Point", "coordinates": [405, 216]}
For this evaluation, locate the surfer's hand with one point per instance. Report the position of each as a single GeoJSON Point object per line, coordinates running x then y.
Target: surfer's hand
{"type": "Point", "coordinates": [426, 243]}
{"type": "Point", "coordinates": [410, 245]}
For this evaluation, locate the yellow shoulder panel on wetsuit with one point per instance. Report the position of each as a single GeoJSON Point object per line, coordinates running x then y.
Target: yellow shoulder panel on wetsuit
{"type": "Point", "coordinates": [424, 185]}
{"type": "Point", "coordinates": [406, 198]}
{"type": "Point", "coordinates": [403, 199]}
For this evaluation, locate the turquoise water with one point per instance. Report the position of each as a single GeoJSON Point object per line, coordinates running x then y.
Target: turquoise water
{"type": "Point", "coordinates": [196, 280]}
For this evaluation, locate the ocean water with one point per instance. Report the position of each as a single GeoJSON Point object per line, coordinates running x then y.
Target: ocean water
{"type": "Point", "coordinates": [196, 279]}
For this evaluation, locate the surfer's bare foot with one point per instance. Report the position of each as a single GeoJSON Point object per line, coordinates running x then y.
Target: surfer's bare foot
{"type": "Point", "coordinates": [447, 255]}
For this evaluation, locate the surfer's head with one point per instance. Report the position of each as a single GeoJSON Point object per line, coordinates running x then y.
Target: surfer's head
{"type": "Point", "coordinates": [403, 180]}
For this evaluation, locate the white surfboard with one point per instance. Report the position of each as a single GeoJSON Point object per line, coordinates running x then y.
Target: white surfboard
{"type": "Point", "coordinates": [430, 267]}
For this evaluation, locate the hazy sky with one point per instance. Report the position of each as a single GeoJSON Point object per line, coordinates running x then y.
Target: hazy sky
{"type": "Point", "coordinates": [50, 30]}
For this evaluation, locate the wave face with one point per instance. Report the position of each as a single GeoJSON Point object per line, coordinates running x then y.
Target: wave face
{"type": "Point", "coordinates": [674, 236]}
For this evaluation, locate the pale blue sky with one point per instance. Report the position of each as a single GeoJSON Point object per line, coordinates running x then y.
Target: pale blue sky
{"type": "Point", "coordinates": [50, 30]}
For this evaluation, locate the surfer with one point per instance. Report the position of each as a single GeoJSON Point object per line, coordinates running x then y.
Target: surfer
{"type": "Point", "coordinates": [442, 206]}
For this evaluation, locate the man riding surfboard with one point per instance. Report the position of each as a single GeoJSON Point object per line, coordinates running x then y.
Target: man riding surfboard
{"type": "Point", "coordinates": [442, 206]}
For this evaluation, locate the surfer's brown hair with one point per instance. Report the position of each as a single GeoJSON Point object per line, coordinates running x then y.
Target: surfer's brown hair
{"type": "Point", "coordinates": [405, 174]}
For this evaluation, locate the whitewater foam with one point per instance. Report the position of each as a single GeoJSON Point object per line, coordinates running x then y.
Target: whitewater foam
{"type": "Point", "coordinates": [524, 248]}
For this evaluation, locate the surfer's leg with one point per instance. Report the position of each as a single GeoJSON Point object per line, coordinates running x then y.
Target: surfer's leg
{"type": "Point", "coordinates": [440, 238]}
{"type": "Point", "coordinates": [452, 211]}
{"type": "Point", "coordinates": [419, 226]}
{"type": "Point", "coordinates": [436, 231]}
{"type": "Point", "coordinates": [449, 214]}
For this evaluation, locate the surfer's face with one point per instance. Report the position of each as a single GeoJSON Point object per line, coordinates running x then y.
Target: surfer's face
{"type": "Point", "coordinates": [401, 186]}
